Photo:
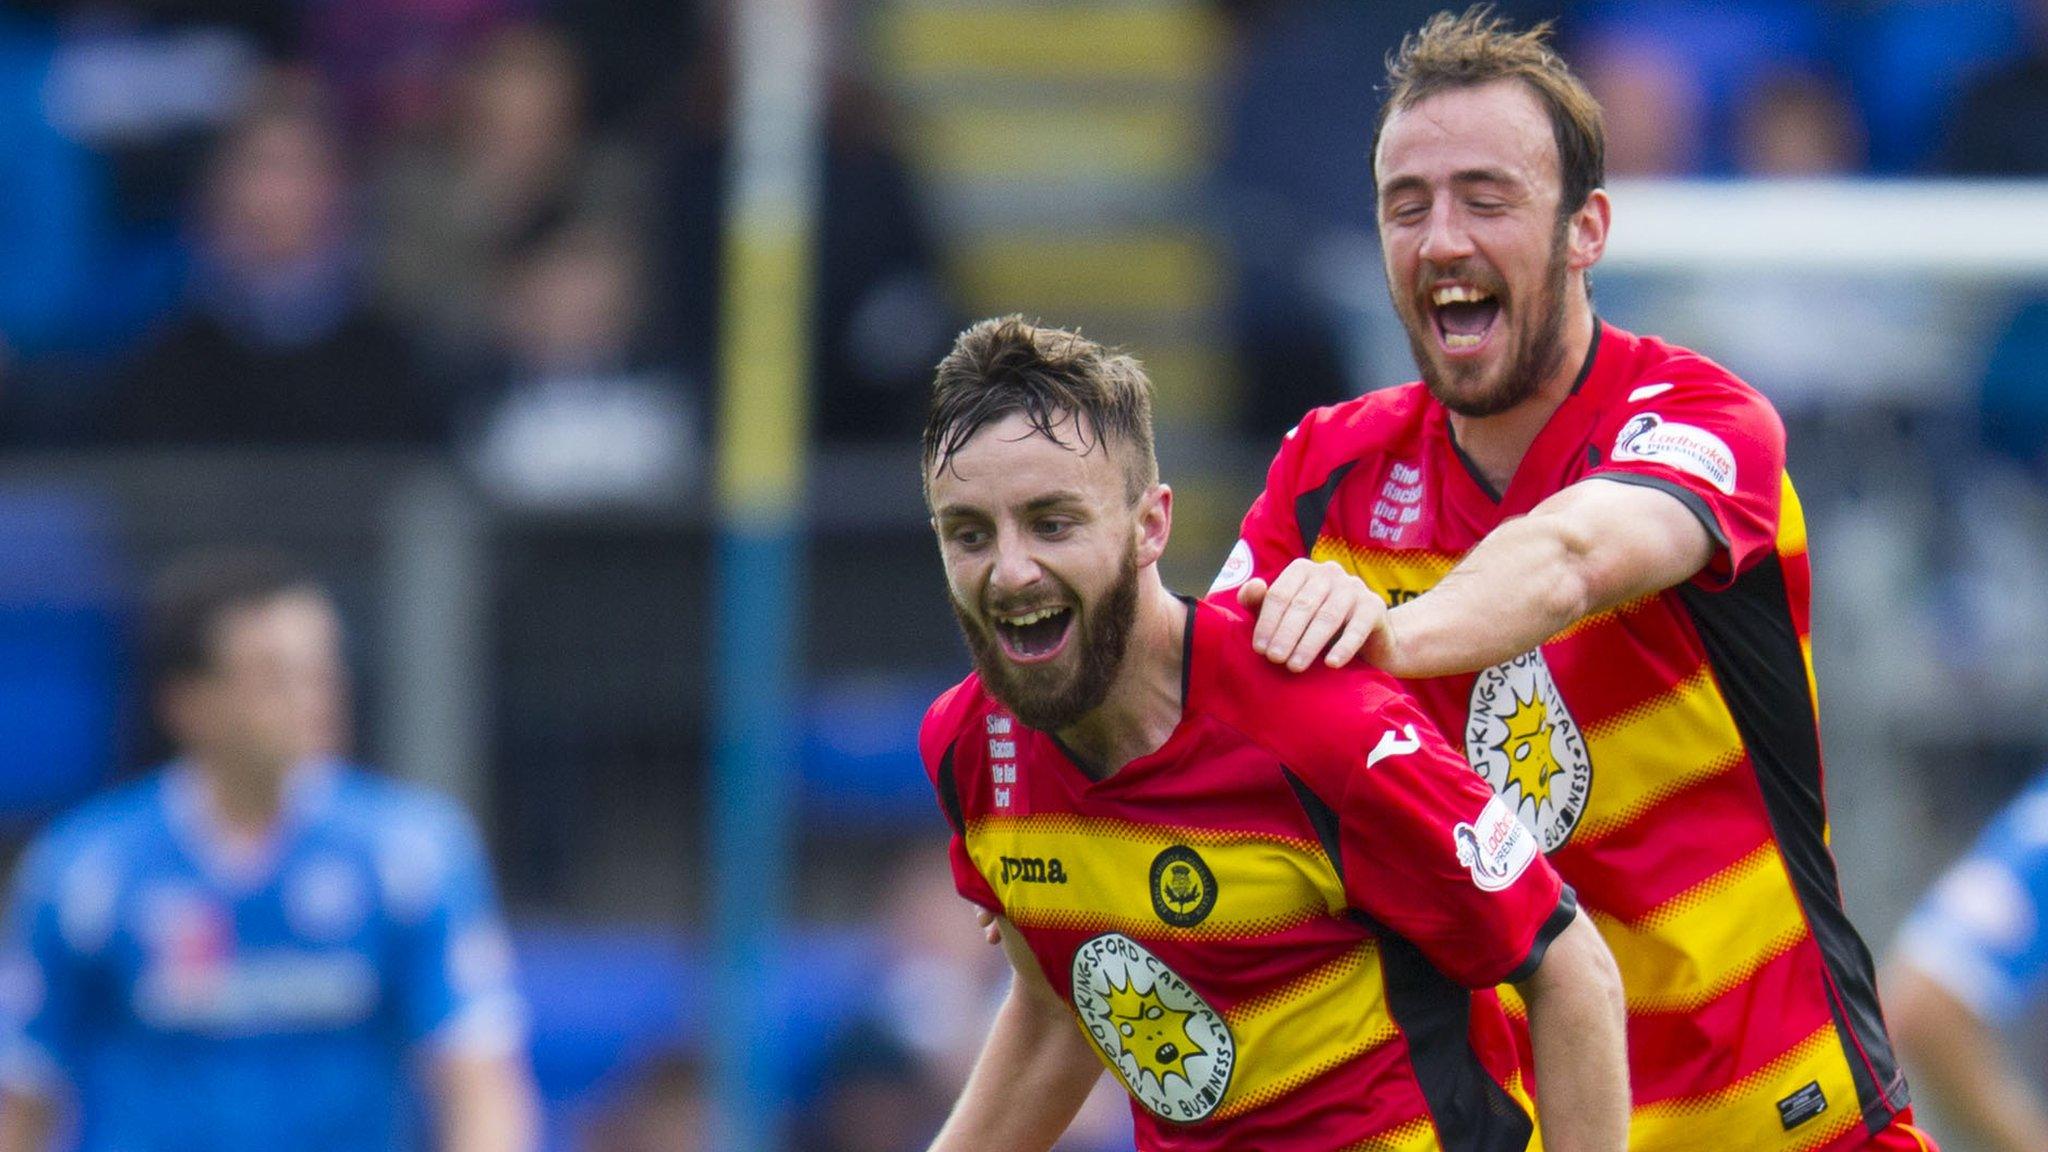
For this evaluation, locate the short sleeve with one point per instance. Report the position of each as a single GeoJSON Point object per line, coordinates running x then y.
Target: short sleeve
{"type": "Point", "coordinates": [454, 981]}
{"type": "Point", "coordinates": [1719, 448]}
{"type": "Point", "coordinates": [1270, 536]}
{"type": "Point", "coordinates": [43, 972]}
{"type": "Point", "coordinates": [1433, 856]}
{"type": "Point", "coordinates": [967, 879]}
{"type": "Point", "coordinates": [1979, 931]}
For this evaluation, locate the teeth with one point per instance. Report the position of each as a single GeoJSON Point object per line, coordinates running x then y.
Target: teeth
{"type": "Point", "coordinates": [1459, 340]}
{"type": "Point", "coordinates": [1030, 618]}
{"type": "Point", "coordinates": [1458, 294]}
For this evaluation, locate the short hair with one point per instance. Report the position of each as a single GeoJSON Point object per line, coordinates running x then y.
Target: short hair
{"type": "Point", "coordinates": [1477, 48]}
{"type": "Point", "coordinates": [1007, 364]}
{"type": "Point", "coordinates": [188, 602]}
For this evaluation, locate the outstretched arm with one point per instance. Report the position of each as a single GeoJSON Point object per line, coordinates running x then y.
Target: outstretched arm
{"type": "Point", "coordinates": [1592, 546]}
{"type": "Point", "coordinates": [1961, 1062]}
{"type": "Point", "coordinates": [1578, 1025]}
{"type": "Point", "coordinates": [1034, 1071]}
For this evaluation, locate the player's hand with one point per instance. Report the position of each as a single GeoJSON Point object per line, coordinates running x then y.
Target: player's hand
{"type": "Point", "coordinates": [1311, 607]}
{"type": "Point", "coordinates": [990, 930]}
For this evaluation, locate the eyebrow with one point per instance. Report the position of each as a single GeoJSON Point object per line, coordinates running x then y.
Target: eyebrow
{"type": "Point", "coordinates": [1461, 176]}
{"type": "Point", "coordinates": [1035, 504]}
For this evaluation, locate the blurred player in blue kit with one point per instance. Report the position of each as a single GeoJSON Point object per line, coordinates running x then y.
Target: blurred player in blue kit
{"type": "Point", "coordinates": [1972, 959]}
{"type": "Point", "coordinates": [259, 946]}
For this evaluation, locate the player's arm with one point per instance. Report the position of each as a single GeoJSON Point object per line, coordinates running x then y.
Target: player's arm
{"type": "Point", "coordinates": [1590, 547]}
{"type": "Point", "coordinates": [1961, 1062]}
{"type": "Point", "coordinates": [485, 1103]}
{"type": "Point", "coordinates": [1034, 1071]}
{"type": "Point", "coordinates": [1578, 1027]}
{"type": "Point", "coordinates": [27, 1121]}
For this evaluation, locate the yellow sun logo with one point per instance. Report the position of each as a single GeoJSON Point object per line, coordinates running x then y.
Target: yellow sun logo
{"type": "Point", "coordinates": [1531, 766]}
{"type": "Point", "coordinates": [1154, 1033]}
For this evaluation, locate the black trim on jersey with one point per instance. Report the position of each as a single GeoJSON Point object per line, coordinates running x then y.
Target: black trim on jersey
{"type": "Point", "coordinates": [1586, 369]}
{"type": "Point", "coordinates": [1471, 467]}
{"type": "Point", "coordinates": [1693, 501]}
{"type": "Point", "coordinates": [1187, 653]}
{"type": "Point", "coordinates": [1472, 1113]}
{"type": "Point", "coordinates": [949, 791]}
{"type": "Point", "coordinates": [1560, 918]}
{"type": "Point", "coordinates": [1313, 506]}
{"type": "Point", "coordinates": [1321, 817]}
{"type": "Point", "coordinates": [1754, 651]}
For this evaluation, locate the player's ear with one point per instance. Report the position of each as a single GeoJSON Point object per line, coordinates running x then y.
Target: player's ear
{"type": "Point", "coordinates": [1155, 523]}
{"type": "Point", "coordinates": [1586, 231]}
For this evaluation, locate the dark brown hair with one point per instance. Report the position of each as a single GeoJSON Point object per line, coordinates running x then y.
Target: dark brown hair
{"type": "Point", "coordinates": [189, 601]}
{"type": "Point", "coordinates": [1478, 47]}
{"type": "Point", "coordinates": [1007, 364]}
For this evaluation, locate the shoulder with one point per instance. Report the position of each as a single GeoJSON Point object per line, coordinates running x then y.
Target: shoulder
{"type": "Point", "coordinates": [377, 807]}
{"type": "Point", "coordinates": [950, 716]}
{"type": "Point", "coordinates": [1388, 420]}
{"type": "Point", "coordinates": [107, 830]}
{"type": "Point", "coordinates": [1659, 374]}
{"type": "Point", "coordinates": [1320, 722]}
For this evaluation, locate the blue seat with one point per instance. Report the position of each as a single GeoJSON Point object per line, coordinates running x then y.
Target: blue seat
{"type": "Point", "coordinates": [61, 666]}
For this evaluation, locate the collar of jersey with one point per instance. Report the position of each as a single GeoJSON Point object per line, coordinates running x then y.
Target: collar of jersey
{"type": "Point", "coordinates": [195, 822]}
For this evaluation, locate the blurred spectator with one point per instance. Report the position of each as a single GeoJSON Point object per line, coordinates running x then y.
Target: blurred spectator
{"type": "Point", "coordinates": [390, 61]}
{"type": "Point", "coordinates": [1655, 105]}
{"type": "Point", "coordinates": [663, 1108]}
{"type": "Point", "coordinates": [875, 1098]}
{"type": "Point", "coordinates": [515, 158]}
{"type": "Point", "coordinates": [1970, 961]}
{"type": "Point", "coordinates": [1798, 124]}
{"type": "Point", "coordinates": [1997, 127]}
{"type": "Point", "coordinates": [250, 948]}
{"type": "Point", "coordinates": [279, 344]}
{"type": "Point", "coordinates": [880, 317]}
{"type": "Point", "coordinates": [577, 412]}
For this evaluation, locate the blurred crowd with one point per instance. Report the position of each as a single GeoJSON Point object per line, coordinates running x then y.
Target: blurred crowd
{"type": "Point", "coordinates": [491, 229]}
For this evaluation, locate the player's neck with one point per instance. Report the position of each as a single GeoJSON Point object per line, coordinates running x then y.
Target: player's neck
{"type": "Point", "coordinates": [1496, 444]}
{"type": "Point", "coordinates": [246, 798]}
{"type": "Point", "coordinates": [1144, 704]}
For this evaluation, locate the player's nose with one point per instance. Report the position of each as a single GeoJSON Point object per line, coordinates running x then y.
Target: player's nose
{"type": "Point", "coordinates": [1445, 241]}
{"type": "Point", "coordinates": [1015, 566]}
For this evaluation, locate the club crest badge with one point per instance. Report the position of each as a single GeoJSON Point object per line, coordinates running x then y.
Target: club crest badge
{"type": "Point", "coordinates": [1183, 888]}
{"type": "Point", "coordinates": [1173, 1052]}
{"type": "Point", "coordinates": [1522, 739]}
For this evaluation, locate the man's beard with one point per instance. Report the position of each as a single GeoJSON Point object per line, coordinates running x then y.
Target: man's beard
{"type": "Point", "coordinates": [1101, 636]}
{"type": "Point", "coordinates": [1536, 356]}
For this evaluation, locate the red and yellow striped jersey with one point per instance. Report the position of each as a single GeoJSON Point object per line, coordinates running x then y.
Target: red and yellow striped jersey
{"type": "Point", "coordinates": [1270, 927]}
{"type": "Point", "coordinates": [1666, 753]}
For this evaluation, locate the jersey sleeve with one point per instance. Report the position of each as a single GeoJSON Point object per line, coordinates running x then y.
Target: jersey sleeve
{"type": "Point", "coordinates": [938, 743]}
{"type": "Point", "coordinates": [1979, 932]}
{"type": "Point", "coordinates": [42, 978]}
{"type": "Point", "coordinates": [1432, 855]}
{"type": "Point", "coordinates": [454, 983]}
{"type": "Point", "coordinates": [1719, 448]}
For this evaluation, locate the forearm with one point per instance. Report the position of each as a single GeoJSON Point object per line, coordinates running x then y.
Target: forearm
{"type": "Point", "coordinates": [1520, 586]}
{"type": "Point", "coordinates": [1578, 1028]}
{"type": "Point", "coordinates": [1963, 1067]}
{"type": "Point", "coordinates": [486, 1104]}
{"type": "Point", "coordinates": [1031, 1078]}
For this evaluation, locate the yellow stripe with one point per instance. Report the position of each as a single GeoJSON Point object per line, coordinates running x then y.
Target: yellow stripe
{"type": "Point", "coordinates": [1065, 272]}
{"type": "Point", "coordinates": [1745, 1114]}
{"type": "Point", "coordinates": [1791, 519]}
{"type": "Point", "coordinates": [1708, 939]}
{"type": "Point", "coordinates": [1006, 142]}
{"type": "Point", "coordinates": [1649, 753]}
{"type": "Point", "coordinates": [1289, 1036]}
{"type": "Point", "coordinates": [1262, 884]}
{"type": "Point", "coordinates": [1125, 44]}
{"type": "Point", "coordinates": [1411, 572]}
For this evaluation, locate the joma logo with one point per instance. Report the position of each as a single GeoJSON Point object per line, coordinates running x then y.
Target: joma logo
{"type": "Point", "coordinates": [1033, 870]}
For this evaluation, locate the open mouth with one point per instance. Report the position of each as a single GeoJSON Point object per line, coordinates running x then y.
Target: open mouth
{"type": "Point", "coordinates": [1034, 636]}
{"type": "Point", "coordinates": [1464, 316]}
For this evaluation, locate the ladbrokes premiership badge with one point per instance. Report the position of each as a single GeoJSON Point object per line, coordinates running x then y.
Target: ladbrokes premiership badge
{"type": "Point", "coordinates": [1172, 1051]}
{"type": "Point", "coordinates": [1519, 736]}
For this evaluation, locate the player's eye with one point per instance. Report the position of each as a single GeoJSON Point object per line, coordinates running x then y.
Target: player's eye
{"type": "Point", "coordinates": [1408, 213]}
{"type": "Point", "coordinates": [1053, 528]}
{"type": "Point", "coordinates": [968, 537]}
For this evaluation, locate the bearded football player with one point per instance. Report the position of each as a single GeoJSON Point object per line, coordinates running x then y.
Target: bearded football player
{"type": "Point", "coordinates": [1273, 906]}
